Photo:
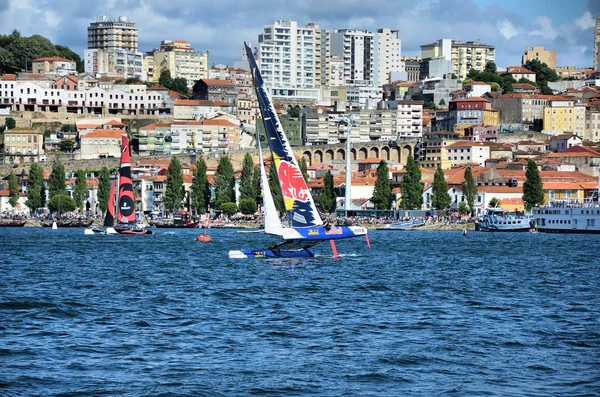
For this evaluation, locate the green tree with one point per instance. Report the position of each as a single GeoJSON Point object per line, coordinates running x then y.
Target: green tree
{"type": "Point", "coordinates": [430, 105]}
{"type": "Point", "coordinates": [506, 83]}
{"type": "Point", "coordinates": [103, 189]}
{"type": "Point", "coordinates": [35, 182]}
{"type": "Point", "coordinates": [469, 189]}
{"type": "Point", "coordinates": [523, 80]}
{"type": "Point", "coordinates": [57, 179]}
{"type": "Point", "coordinates": [494, 203]}
{"type": "Point", "coordinates": [247, 185]}
{"type": "Point", "coordinates": [494, 86]}
{"type": "Point", "coordinates": [411, 186]}
{"type": "Point", "coordinates": [13, 190]}
{"type": "Point", "coordinates": [67, 145]}
{"type": "Point", "coordinates": [257, 187]}
{"type": "Point", "coordinates": [275, 189]}
{"type": "Point", "coordinates": [61, 203]}
{"type": "Point", "coordinates": [174, 186]}
{"type": "Point", "coordinates": [25, 49]}
{"type": "Point", "coordinates": [303, 169]}
{"type": "Point", "coordinates": [463, 208]}
{"type": "Point", "coordinates": [543, 73]}
{"type": "Point", "coordinates": [328, 198]}
{"type": "Point", "coordinates": [294, 111]}
{"type": "Point", "coordinates": [133, 80]}
{"type": "Point", "coordinates": [10, 123]}
{"type": "Point", "coordinates": [165, 78]}
{"type": "Point", "coordinates": [80, 192]}
{"type": "Point", "coordinates": [440, 199]}
{"type": "Point", "coordinates": [68, 128]}
{"type": "Point", "coordinates": [474, 75]}
{"type": "Point", "coordinates": [533, 190]}
{"type": "Point", "coordinates": [248, 206]}
{"type": "Point", "coordinates": [229, 208]}
{"type": "Point", "coordinates": [224, 183]}
{"type": "Point", "coordinates": [382, 193]}
{"type": "Point", "coordinates": [442, 102]}
{"type": "Point", "coordinates": [42, 195]}
{"type": "Point", "coordinates": [490, 67]}
{"type": "Point", "coordinates": [200, 190]}
{"type": "Point", "coordinates": [179, 84]}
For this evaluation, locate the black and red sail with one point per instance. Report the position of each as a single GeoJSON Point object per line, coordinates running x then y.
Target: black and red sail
{"type": "Point", "coordinates": [109, 218]}
{"type": "Point", "coordinates": [126, 204]}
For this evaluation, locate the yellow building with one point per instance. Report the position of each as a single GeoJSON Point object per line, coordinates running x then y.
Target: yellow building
{"type": "Point", "coordinates": [180, 59]}
{"type": "Point", "coordinates": [538, 52]}
{"type": "Point", "coordinates": [23, 145]}
{"type": "Point", "coordinates": [564, 116]}
{"type": "Point", "coordinates": [491, 117]}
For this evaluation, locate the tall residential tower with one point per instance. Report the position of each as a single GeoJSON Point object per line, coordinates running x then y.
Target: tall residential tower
{"type": "Point", "coordinates": [113, 48]}
{"type": "Point", "coordinates": [596, 42]}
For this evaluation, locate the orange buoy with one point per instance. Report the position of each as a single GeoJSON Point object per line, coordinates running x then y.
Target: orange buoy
{"type": "Point", "coordinates": [204, 238]}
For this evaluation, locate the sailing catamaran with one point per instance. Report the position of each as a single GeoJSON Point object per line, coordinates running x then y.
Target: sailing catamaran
{"type": "Point", "coordinates": [126, 217]}
{"type": "Point", "coordinates": [109, 218]}
{"type": "Point", "coordinates": [306, 228]}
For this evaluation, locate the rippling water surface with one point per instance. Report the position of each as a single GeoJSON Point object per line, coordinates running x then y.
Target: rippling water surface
{"type": "Point", "coordinates": [420, 313]}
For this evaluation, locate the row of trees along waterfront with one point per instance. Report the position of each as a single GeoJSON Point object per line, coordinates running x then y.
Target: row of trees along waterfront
{"type": "Point", "coordinates": [200, 197]}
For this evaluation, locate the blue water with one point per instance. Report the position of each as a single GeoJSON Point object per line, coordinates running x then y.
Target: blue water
{"type": "Point", "coordinates": [420, 313]}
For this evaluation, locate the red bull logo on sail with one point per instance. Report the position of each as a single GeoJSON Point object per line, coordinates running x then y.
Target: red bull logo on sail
{"type": "Point", "coordinates": [292, 182]}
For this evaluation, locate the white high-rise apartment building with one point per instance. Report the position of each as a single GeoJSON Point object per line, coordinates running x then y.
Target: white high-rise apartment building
{"type": "Point", "coordinates": [109, 34]}
{"type": "Point", "coordinates": [387, 57]}
{"type": "Point", "coordinates": [356, 47]}
{"type": "Point", "coordinates": [286, 55]}
{"type": "Point", "coordinates": [596, 42]}
{"type": "Point", "coordinates": [113, 48]}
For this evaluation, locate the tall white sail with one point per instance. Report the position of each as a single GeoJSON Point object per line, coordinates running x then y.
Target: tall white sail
{"type": "Point", "coordinates": [272, 221]}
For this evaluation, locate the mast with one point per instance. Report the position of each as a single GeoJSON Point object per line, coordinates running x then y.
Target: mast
{"type": "Point", "coordinates": [348, 196]}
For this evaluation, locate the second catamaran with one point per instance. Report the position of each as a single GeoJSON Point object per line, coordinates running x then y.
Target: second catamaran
{"type": "Point", "coordinates": [306, 228]}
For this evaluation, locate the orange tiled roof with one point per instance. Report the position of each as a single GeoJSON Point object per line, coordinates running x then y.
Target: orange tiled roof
{"type": "Point", "coordinates": [468, 143]}
{"type": "Point", "coordinates": [114, 122]}
{"type": "Point", "coordinates": [518, 70]}
{"type": "Point", "coordinates": [116, 134]}
{"type": "Point", "coordinates": [217, 82]}
{"type": "Point", "coordinates": [182, 122]}
{"type": "Point", "coordinates": [9, 77]}
{"type": "Point", "coordinates": [562, 137]}
{"type": "Point", "coordinates": [153, 126]}
{"type": "Point", "coordinates": [370, 161]}
{"type": "Point", "coordinates": [53, 59]}
{"type": "Point", "coordinates": [471, 99]}
{"type": "Point", "coordinates": [223, 123]}
{"type": "Point", "coordinates": [199, 102]}
{"type": "Point", "coordinates": [524, 86]}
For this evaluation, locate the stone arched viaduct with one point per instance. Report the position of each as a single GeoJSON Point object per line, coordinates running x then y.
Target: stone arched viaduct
{"type": "Point", "coordinates": [398, 152]}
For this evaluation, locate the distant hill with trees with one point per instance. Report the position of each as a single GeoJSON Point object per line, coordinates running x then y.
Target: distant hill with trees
{"type": "Point", "coordinates": [17, 52]}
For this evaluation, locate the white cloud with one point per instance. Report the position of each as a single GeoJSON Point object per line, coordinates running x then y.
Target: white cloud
{"type": "Point", "coordinates": [507, 29]}
{"type": "Point", "coordinates": [221, 27]}
{"type": "Point", "coordinates": [543, 27]}
{"type": "Point", "coordinates": [585, 21]}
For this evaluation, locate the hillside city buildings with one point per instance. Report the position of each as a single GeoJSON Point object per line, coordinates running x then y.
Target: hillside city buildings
{"type": "Point", "coordinates": [328, 86]}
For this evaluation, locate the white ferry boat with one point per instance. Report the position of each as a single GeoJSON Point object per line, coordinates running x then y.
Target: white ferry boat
{"type": "Point", "coordinates": [568, 217]}
{"type": "Point", "coordinates": [501, 220]}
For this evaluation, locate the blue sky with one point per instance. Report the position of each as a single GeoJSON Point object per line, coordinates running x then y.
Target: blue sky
{"type": "Point", "coordinates": [221, 27]}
